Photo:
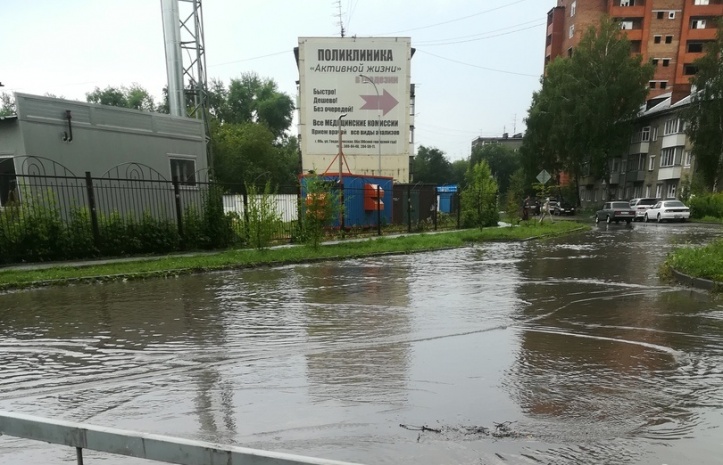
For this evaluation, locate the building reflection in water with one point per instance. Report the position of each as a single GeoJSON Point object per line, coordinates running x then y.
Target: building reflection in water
{"type": "Point", "coordinates": [358, 311]}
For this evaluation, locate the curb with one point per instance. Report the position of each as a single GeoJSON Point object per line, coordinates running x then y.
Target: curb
{"type": "Point", "coordinates": [698, 283]}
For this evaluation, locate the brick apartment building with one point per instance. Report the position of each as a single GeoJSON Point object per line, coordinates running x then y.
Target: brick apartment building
{"type": "Point", "coordinates": [669, 33]}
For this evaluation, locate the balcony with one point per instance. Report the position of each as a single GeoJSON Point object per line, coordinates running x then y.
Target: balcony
{"type": "Point", "coordinates": [635, 176]}
{"type": "Point", "coordinates": [715, 8]}
{"type": "Point", "coordinates": [673, 140]}
{"type": "Point", "coordinates": [639, 147]}
{"type": "Point", "coordinates": [669, 172]}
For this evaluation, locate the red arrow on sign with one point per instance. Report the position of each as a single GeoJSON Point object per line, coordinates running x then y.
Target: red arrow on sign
{"type": "Point", "coordinates": [385, 102]}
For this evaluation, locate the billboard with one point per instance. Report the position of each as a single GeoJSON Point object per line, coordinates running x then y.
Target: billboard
{"type": "Point", "coordinates": [364, 85]}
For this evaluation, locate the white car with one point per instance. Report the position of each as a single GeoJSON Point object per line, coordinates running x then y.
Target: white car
{"type": "Point", "coordinates": [664, 210]}
{"type": "Point", "coordinates": [641, 206]}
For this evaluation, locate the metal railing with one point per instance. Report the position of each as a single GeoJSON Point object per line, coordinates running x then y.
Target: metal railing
{"type": "Point", "coordinates": [142, 445]}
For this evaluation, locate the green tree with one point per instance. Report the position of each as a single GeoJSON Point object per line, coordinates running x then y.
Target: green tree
{"type": "Point", "coordinates": [7, 104]}
{"type": "Point", "coordinates": [502, 160]}
{"type": "Point", "coordinates": [252, 99]}
{"type": "Point", "coordinates": [431, 166]}
{"type": "Point", "coordinates": [705, 115]}
{"type": "Point", "coordinates": [583, 113]}
{"type": "Point", "coordinates": [135, 97]}
{"type": "Point", "coordinates": [459, 169]}
{"type": "Point", "coordinates": [243, 153]}
{"type": "Point", "coordinates": [479, 198]}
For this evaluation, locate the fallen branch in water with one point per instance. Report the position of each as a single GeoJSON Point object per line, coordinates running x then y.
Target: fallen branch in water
{"type": "Point", "coordinates": [420, 428]}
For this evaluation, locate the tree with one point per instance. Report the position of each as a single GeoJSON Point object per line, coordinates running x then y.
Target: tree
{"type": "Point", "coordinates": [502, 160]}
{"type": "Point", "coordinates": [252, 99]}
{"type": "Point", "coordinates": [135, 97]}
{"type": "Point", "coordinates": [583, 113]}
{"type": "Point", "coordinates": [431, 166]}
{"type": "Point", "coordinates": [705, 114]}
{"type": "Point", "coordinates": [7, 104]}
{"type": "Point", "coordinates": [458, 169]}
{"type": "Point", "coordinates": [479, 198]}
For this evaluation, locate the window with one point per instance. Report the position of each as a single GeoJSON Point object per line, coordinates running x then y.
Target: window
{"type": "Point", "coordinates": [615, 165]}
{"type": "Point", "coordinates": [645, 134]}
{"type": "Point", "coordinates": [569, 52]}
{"type": "Point", "coordinates": [626, 24]}
{"type": "Point", "coordinates": [625, 2]}
{"type": "Point", "coordinates": [184, 169]}
{"type": "Point", "coordinates": [671, 15]}
{"type": "Point", "coordinates": [572, 31]}
{"type": "Point", "coordinates": [697, 24]}
{"type": "Point", "coordinates": [661, 14]}
{"type": "Point", "coordinates": [700, 2]}
{"type": "Point", "coordinates": [653, 84]}
{"type": "Point", "coordinates": [663, 84]}
{"type": "Point", "coordinates": [666, 62]}
{"type": "Point", "coordinates": [667, 157]}
{"type": "Point", "coordinates": [657, 39]}
{"type": "Point", "coordinates": [671, 190]}
{"type": "Point", "coordinates": [687, 158]}
{"type": "Point", "coordinates": [641, 162]}
{"type": "Point", "coordinates": [668, 39]}
{"type": "Point", "coordinates": [695, 47]}
{"type": "Point", "coordinates": [654, 61]}
{"type": "Point", "coordinates": [573, 8]}
{"type": "Point", "coordinates": [659, 191]}
{"type": "Point", "coordinates": [655, 134]}
{"type": "Point", "coordinates": [651, 163]}
{"type": "Point", "coordinates": [690, 70]}
{"type": "Point", "coordinates": [648, 190]}
{"type": "Point", "coordinates": [673, 126]}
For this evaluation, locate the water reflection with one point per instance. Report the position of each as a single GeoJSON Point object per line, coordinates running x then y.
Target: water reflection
{"type": "Point", "coordinates": [574, 341]}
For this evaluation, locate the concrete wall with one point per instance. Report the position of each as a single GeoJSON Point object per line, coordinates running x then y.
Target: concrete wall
{"type": "Point", "coordinates": [103, 137]}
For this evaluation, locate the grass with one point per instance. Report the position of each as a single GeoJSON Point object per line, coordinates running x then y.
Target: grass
{"type": "Point", "coordinates": [244, 258]}
{"type": "Point", "coordinates": [700, 262]}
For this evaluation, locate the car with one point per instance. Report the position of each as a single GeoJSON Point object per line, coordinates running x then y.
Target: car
{"type": "Point", "coordinates": [563, 208]}
{"type": "Point", "coordinates": [616, 211]}
{"type": "Point", "coordinates": [668, 210]}
{"type": "Point", "coordinates": [640, 206]}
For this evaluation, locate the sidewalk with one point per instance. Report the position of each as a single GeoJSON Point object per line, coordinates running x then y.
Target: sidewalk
{"type": "Point", "coordinates": [106, 261]}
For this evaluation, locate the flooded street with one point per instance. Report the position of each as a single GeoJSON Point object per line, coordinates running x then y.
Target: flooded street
{"type": "Point", "coordinates": [567, 351]}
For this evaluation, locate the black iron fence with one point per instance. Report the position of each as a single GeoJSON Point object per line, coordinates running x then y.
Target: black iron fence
{"type": "Point", "coordinates": [45, 218]}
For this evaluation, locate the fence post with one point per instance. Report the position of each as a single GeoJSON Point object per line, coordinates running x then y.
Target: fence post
{"type": "Point", "coordinates": [409, 208]}
{"type": "Point", "coordinates": [379, 211]}
{"type": "Point", "coordinates": [92, 209]}
{"type": "Point", "coordinates": [247, 226]}
{"type": "Point", "coordinates": [435, 208]}
{"type": "Point", "coordinates": [179, 208]}
{"type": "Point", "coordinates": [459, 209]}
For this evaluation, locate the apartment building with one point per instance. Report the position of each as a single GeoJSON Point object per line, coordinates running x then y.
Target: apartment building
{"type": "Point", "coordinates": [671, 34]}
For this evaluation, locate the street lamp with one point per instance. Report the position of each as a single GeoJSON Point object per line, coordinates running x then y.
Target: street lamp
{"type": "Point", "coordinates": [379, 129]}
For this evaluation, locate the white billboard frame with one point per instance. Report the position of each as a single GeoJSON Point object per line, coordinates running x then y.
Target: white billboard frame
{"type": "Point", "coordinates": [366, 79]}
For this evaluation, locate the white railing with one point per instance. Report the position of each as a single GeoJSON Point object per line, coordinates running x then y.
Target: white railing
{"type": "Point", "coordinates": [146, 446]}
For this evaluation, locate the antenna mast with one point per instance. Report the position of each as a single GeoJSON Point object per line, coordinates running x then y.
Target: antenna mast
{"type": "Point", "coordinates": [183, 33]}
{"type": "Point", "coordinates": [341, 20]}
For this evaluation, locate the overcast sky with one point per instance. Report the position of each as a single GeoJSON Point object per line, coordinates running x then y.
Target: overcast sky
{"type": "Point", "coordinates": [476, 65]}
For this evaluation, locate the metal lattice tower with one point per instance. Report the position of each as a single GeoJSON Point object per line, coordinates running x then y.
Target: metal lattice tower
{"type": "Point", "coordinates": [186, 62]}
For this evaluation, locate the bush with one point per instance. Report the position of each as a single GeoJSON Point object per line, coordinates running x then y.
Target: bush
{"type": "Point", "coordinates": [706, 205]}
{"type": "Point", "coordinates": [479, 198]}
{"type": "Point", "coordinates": [264, 221]}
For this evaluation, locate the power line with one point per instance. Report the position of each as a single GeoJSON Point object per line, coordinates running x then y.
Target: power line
{"type": "Point", "coordinates": [463, 39]}
{"type": "Point", "coordinates": [457, 19]}
{"type": "Point", "coordinates": [479, 67]}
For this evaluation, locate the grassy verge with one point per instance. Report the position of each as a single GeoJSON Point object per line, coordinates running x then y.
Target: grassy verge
{"type": "Point", "coordinates": [244, 258]}
{"type": "Point", "coordinates": [700, 262]}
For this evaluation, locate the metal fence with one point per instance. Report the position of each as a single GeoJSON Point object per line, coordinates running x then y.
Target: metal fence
{"type": "Point", "coordinates": [83, 214]}
{"type": "Point", "coordinates": [146, 446]}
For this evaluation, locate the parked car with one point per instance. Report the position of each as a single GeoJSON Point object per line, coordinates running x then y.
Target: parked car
{"type": "Point", "coordinates": [563, 208]}
{"type": "Point", "coordinates": [664, 210]}
{"type": "Point", "coordinates": [641, 206]}
{"type": "Point", "coordinates": [615, 211]}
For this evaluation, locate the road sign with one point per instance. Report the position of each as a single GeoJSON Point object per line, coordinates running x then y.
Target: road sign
{"type": "Point", "coordinates": [543, 177]}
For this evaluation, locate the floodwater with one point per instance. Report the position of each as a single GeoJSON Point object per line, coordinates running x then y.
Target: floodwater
{"type": "Point", "coordinates": [567, 351]}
